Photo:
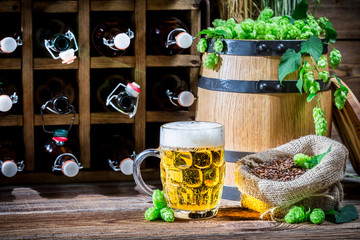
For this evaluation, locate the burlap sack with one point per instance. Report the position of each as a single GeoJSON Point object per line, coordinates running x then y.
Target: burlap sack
{"type": "Point", "coordinates": [319, 187]}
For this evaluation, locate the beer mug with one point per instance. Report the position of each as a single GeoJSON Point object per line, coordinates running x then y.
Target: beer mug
{"type": "Point", "coordinates": [192, 167]}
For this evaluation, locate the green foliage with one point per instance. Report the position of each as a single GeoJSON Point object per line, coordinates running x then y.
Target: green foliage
{"type": "Point", "coordinates": [335, 58]}
{"type": "Point", "coordinates": [320, 121]}
{"type": "Point", "coordinates": [167, 214]}
{"type": "Point", "coordinates": [152, 213]}
{"type": "Point", "coordinates": [313, 46]}
{"type": "Point", "coordinates": [299, 83]}
{"type": "Point", "coordinates": [297, 215]}
{"type": "Point", "coordinates": [159, 199]}
{"type": "Point", "coordinates": [202, 45]}
{"type": "Point", "coordinates": [290, 62]}
{"type": "Point", "coordinates": [317, 216]}
{"type": "Point", "coordinates": [211, 60]}
{"type": "Point", "coordinates": [218, 46]}
{"type": "Point", "coordinates": [300, 11]}
{"type": "Point", "coordinates": [330, 33]}
{"type": "Point", "coordinates": [304, 161]}
{"type": "Point", "coordinates": [345, 214]}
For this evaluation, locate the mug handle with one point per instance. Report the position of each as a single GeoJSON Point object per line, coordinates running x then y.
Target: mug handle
{"type": "Point", "coordinates": [136, 169]}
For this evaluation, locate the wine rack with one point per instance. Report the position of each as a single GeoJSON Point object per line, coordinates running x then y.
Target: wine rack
{"type": "Point", "coordinates": [138, 64]}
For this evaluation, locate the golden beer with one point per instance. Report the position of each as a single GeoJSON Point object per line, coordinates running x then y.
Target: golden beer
{"type": "Point", "coordinates": [192, 167]}
{"type": "Point", "coordinates": [193, 178]}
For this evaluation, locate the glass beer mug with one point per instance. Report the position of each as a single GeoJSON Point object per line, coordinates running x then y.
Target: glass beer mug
{"type": "Point", "coordinates": [192, 167]}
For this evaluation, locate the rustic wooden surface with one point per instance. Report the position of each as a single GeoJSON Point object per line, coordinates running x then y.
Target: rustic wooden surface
{"type": "Point", "coordinates": [116, 210]}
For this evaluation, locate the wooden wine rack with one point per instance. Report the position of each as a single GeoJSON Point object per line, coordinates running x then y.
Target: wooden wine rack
{"type": "Point", "coordinates": [83, 65]}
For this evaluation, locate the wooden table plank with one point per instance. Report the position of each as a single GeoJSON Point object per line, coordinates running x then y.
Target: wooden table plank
{"type": "Point", "coordinates": [116, 210]}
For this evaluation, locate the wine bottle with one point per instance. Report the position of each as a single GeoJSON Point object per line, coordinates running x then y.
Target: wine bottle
{"type": "Point", "coordinates": [9, 164]}
{"type": "Point", "coordinates": [7, 97]}
{"type": "Point", "coordinates": [60, 152]}
{"type": "Point", "coordinates": [56, 38]}
{"type": "Point", "coordinates": [169, 36]}
{"type": "Point", "coordinates": [112, 37]}
{"type": "Point", "coordinates": [9, 44]}
{"type": "Point", "coordinates": [171, 93]}
{"type": "Point", "coordinates": [118, 153]}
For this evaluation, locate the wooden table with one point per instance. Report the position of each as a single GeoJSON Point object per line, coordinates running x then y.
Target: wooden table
{"type": "Point", "coordinates": [116, 210]}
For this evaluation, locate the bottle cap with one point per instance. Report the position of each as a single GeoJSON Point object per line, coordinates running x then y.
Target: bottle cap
{"type": "Point", "coordinates": [9, 168]}
{"type": "Point", "coordinates": [186, 99]}
{"type": "Point", "coordinates": [122, 41]}
{"type": "Point", "coordinates": [5, 103]}
{"type": "Point", "coordinates": [184, 40]}
{"type": "Point", "coordinates": [8, 45]}
{"type": "Point", "coordinates": [133, 89]}
{"type": "Point", "coordinates": [68, 56]}
{"type": "Point", "coordinates": [126, 166]}
{"type": "Point", "coordinates": [70, 168]}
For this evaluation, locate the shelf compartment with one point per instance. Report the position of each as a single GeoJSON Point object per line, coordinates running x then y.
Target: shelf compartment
{"type": "Point", "coordinates": [83, 176]}
{"type": "Point", "coordinates": [49, 64]}
{"type": "Point", "coordinates": [10, 63]}
{"type": "Point", "coordinates": [10, 6]}
{"type": "Point", "coordinates": [115, 62]}
{"type": "Point", "coordinates": [11, 120]}
{"type": "Point", "coordinates": [172, 5]}
{"type": "Point", "coordinates": [55, 119]}
{"type": "Point", "coordinates": [110, 118]}
{"type": "Point", "coordinates": [167, 116]}
{"type": "Point", "coordinates": [56, 6]}
{"type": "Point", "coordinates": [173, 61]}
{"type": "Point", "coordinates": [112, 5]}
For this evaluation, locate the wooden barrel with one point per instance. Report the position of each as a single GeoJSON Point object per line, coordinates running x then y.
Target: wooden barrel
{"type": "Point", "coordinates": [244, 94]}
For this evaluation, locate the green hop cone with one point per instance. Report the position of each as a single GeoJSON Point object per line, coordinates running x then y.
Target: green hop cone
{"type": "Point", "coordinates": [202, 45]}
{"type": "Point", "coordinates": [322, 62]}
{"type": "Point", "coordinates": [314, 87]}
{"type": "Point", "coordinates": [317, 216]}
{"type": "Point", "coordinates": [152, 213]}
{"type": "Point", "coordinates": [320, 121]}
{"type": "Point", "coordinates": [340, 98]}
{"type": "Point", "coordinates": [302, 160]}
{"type": "Point", "coordinates": [218, 46]}
{"type": "Point", "coordinates": [335, 58]}
{"type": "Point", "coordinates": [324, 75]}
{"type": "Point", "coordinates": [297, 215]}
{"type": "Point", "coordinates": [167, 214]}
{"type": "Point", "coordinates": [211, 60]}
{"type": "Point", "coordinates": [159, 199]}
{"type": "Point", "coordinates": [266, 14]}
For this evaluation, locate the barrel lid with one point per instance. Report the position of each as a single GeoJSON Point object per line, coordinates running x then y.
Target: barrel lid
{"type": "Point", "coordinates": [184, 40]}
{"type": "Point", "coordinates": [70, 168]}
{"type": "Point", "coordinates": [5, 103]}
{"type": "Point", "coordinates": [122, 41]}
{"type": "Point", "coordinates": [8, 45]}
{"type": "Point", "coordinates": [9, 168]}
{"type": "Point", "coordinates": [186, 99]}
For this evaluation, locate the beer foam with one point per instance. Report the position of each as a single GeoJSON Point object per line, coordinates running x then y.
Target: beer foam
{"type": "Point", "coordinates": [191, 134]}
